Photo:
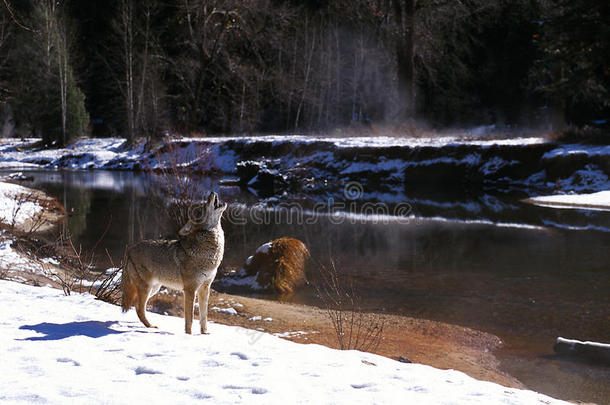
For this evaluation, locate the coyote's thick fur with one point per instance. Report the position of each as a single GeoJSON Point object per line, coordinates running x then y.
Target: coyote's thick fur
{"type": "Point", "coordinates": [187, 264]}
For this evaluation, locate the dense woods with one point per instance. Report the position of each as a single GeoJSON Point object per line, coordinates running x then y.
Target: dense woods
{"type": "Point", "coordinates": [138, 68]}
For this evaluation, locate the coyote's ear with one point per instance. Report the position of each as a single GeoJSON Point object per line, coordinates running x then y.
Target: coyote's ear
{"type": "Point", "coordinates": [186, 229]}
{"type": "Point", "coordinates": [223, 207]}
{"type": "Point", "coordinates": [211, 198]}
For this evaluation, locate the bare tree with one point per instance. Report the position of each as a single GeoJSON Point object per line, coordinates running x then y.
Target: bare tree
{"type": "Point", "coordinates": [135, 60]}
{"type": "Point", "coordinates": [46, 96]}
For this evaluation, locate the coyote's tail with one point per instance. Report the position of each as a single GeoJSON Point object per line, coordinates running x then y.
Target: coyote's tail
{"type": "Point", "coordinates": [128, 287]}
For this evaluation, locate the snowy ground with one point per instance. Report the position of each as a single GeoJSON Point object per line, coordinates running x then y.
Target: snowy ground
{"type": "Point", "coordinates": [14, 207]}
{"type": "Point", "coordinates": [459, 177]}
{"type": "Point", "coordinates": [60, 349]}
{"type": "Point", "coordinates": [113, 153]}
{"type": "Point", "coordinates": [324, 157]}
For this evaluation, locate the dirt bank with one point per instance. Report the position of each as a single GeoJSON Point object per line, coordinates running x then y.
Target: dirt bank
{"type": "Point", "coordinates": [433, 343]}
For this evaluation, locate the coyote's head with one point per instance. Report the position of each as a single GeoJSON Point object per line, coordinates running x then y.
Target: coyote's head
{"type": "Point", "coordinates": [204, 216]}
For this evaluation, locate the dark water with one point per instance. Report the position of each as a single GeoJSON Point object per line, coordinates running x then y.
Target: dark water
{"type": "Point", "coordinates": [526, 284]}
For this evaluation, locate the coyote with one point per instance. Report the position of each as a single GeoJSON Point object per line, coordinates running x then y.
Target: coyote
{"type": "Point", "coordinates": [187, 264]}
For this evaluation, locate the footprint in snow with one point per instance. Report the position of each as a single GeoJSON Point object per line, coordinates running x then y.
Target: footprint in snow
{"type": "Point", "coordinates": [254, 390]}
{"type": "Point", "coordinates": [146, 370]}
{"type": "Point", "coordinates": [240, 355]}
{"type": "Point", "coordinates": [67, 360]}
{"type": "Point", "coordinates": [198, 394]}
{"type": "Point", "coordinates": [364, 385]}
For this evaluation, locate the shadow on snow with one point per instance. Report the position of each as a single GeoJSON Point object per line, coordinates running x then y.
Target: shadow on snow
{"type": "Point", "coordinates": [57, 331]}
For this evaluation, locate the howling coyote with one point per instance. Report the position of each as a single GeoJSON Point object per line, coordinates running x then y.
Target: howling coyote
{"type": "Point", "coordinates": [187, 264]}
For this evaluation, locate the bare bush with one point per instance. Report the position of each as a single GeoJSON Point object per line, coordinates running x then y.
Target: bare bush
{"type": "Point", "coordinates": [107, 286]}
{"type": "Point", "coordinates": [176, 185]}
{"type": "Point", "coordinates": [76, 268]}
{"type": "Point", "coordinates": [35, 221]}
{"type": "Point", "coordinates": [4, 273]}
{"type": "Point", "coordinates": [354, 328]}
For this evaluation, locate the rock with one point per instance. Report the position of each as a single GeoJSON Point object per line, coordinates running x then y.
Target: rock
{"type": "Point", "coordinates": [279, 265]}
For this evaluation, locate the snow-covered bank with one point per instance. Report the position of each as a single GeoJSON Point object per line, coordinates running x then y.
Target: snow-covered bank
{"type": "Point", "coordinates": [458, 177]}
{"type": "Point", "coordinates": [209, 153]}
{"type": "Point", "coordinates": [28, 210]}
{"type": "Point", "coordinates": [507, 164]}
{"type": "Point", "coordinates": [15, 208]}
{"type": "Point", "coordinates": [595, 201]}
{"type": "Point", "coordinates": [73, 348]}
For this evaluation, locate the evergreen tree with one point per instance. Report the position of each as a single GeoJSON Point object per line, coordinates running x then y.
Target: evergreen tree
{"type": "Point", "coordinates": [574, 70]}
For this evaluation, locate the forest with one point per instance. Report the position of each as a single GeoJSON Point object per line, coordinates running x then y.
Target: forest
{"type": "Point", "coordinates": [136, 68]}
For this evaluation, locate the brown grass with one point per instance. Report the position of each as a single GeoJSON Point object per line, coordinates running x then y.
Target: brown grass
{"type": "Point", "coordinates": [282, 268]}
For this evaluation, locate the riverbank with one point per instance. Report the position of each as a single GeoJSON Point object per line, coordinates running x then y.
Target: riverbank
{"type": "Point", "coordinates": [468, 177]}
{"type": "Point", "coordinates": [437, 344]}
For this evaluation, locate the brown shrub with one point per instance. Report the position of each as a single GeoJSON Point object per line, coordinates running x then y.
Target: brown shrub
{"type": "Point", "coordinates": [279, 265]}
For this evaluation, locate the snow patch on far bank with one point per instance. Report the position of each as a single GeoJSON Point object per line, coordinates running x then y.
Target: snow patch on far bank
{"type": "Point", "coordinates": [577, 149]}
{"type": "Point", "coordinates": [594, 201]}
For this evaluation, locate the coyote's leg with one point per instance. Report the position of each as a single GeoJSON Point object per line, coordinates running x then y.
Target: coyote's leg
{"type": "Point", "coordinates": [204, 294]}
{"type": "Point", "coordinates": [143, 294]}
{"type": "Point", "coordinates": [189, 301]}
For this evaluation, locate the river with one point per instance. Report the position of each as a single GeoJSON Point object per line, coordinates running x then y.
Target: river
{"type": "Point", "coordinates": [523, 279]}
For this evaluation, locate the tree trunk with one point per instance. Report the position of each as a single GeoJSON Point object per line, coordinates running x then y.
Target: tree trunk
{"type": "Point", "coordinates": [127, 21]}
{"type": "Point", "coordinates": [405, 44]}
{"type": "Point", "coordinates": [558, 103]}
{"type": "Point", "coordinates": [62, 63]}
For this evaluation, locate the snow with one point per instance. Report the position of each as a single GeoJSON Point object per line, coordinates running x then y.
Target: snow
{"type": "Point", "coordinates": [240, 279]}
{"type": "Point", "coordinates": [578, 149]}
{"type": "Point", "coordinates": [381, 141]}
{"type": "Point", "coordinates": [472, 159]}
{"type": "Point", "coordinates": [74, 349]}
{"type": "Point", "coordinates": [382, 165]}
{"type": "Point", "coordinates": [292, 334]}
{"type": "Point", "coordinates": [595, 201]}
{"type": "Point", "coordinates": [494, 164]}
{"type": "Point", "coordinates": [14, 208]}
{"type": "Point", "coordinates": [222, 154]}
{"type": "Point", "coordinates": [228, 311]}
{"type": "Point", "coordinates": [590, 178]}
{"type": "Point", "coordinates": [206, 154]}
{"type": "Point", "coordinates": [9, 258]}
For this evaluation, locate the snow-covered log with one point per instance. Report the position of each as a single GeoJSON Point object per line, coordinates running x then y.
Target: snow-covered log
{"type": "Point", "coordinates": [595, 351]}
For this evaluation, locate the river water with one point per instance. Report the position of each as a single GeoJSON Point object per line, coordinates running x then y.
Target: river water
{"type": "Point", "coordinates": [524, 282]}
